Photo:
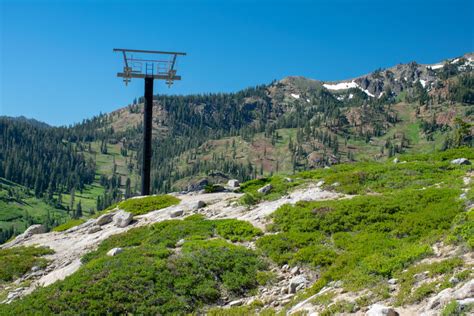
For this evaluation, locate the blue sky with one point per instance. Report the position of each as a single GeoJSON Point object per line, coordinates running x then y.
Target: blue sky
{"type": "Point", "coordinates": [57, 64]}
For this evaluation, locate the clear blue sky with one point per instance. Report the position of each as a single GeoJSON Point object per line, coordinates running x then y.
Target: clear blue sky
{"type": "Point", "coordinates": [57, 63]}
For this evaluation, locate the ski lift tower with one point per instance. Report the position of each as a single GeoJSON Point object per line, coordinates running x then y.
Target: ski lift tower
{"type": "Point", "coordinates": [148, 65]}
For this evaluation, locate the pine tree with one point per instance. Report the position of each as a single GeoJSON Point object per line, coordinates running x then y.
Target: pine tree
{"type": "Point", "coordinates": [78, 213]}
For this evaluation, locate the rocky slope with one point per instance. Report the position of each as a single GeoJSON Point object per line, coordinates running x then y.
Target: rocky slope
{"type": "Point", "coordinates": [291, 282]}
{"type": "Point", "coordinates": [71, 245]}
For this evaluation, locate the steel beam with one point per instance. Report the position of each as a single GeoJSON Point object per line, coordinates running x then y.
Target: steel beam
{"type": "Point", "coordinates": [147, 51]}
{"type": "Point", "coordinates": [147, 133]}
{"type": "Point", "coordinates": [143, 76]}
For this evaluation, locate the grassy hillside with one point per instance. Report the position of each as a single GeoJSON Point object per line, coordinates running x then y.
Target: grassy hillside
{"type": "Point", "coordinates": [19, 208]}
{"type": "Point", "coordinates": [400, 210]}
{"type": "Point", "coordinates": [270, 155]}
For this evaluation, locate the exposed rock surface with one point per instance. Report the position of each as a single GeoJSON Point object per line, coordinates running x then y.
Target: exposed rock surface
{"type": "Point", "coordinates": [176, 213]}
{"type": "Point", "coordinates": [381, 310]}
{"type": "Point", "coordinates": [105, 219]}
{"type": "Point", "coordinates": [33, 230]}
{"type": "Point", "coordinates": [114, 251]}
{"type": "Point", "coordinates": [265, 189]}
{"type": "Point", "coordinates": [297, 282]}
{"type": "Point", "coordinates": [94, 229]}
{"type": "Point", "coordinates": [233, 183]}
{"type": "Point", "coordinates": [460, 161]}
{"type": "Point", "coordinates": [122, 218]}
{"type": "Point", "coordinates": [71, 245]}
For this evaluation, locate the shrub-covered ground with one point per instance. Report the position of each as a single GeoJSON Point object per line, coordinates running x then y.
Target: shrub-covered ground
{"type": "Point", "coordinates": [14, 262]}
{"type": "Point", "coordinates": [153, 275]}
{"type": "Point", "coordinates": [137, 206]}
{"type": "Point", "coordinates": [402, 209]}
{"type": "Point", "coordinates": [179, 266]}
{"type": "Point", "coordinates": [147, 204]}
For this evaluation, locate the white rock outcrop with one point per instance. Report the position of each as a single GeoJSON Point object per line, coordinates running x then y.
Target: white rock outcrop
{"type": "Point", "coordinates": [114, 251]}
{"type": "Point", "coordinates": [122, 218]}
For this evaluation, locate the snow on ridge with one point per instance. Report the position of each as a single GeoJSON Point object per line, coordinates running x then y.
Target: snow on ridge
{"type": "Point", "coordinates": [341, 85]}
{"type": "Point", "coordinates": [454, 61]}
{"type": "Point", "coordinates": [367, 92]}
{"type": "Point", "coordinates": [423, 83]}
{"type": "Point", "coordinates": [351, 96]}
{"type": "Point", "coordinates": [435, 66]}
{"type": "Point", "coordinates": [345, 86]}
{"type": "Point", "coordinates": [296, 96]}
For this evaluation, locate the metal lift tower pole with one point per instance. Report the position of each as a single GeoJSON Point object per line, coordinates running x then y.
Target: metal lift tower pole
{"type": "Point", "coordinates": [148, 68]}
{"type": "Point", "coordinates": [147, 123]}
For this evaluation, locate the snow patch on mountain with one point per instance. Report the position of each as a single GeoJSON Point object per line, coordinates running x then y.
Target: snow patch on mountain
{"type": "Point", "coordinates": [345, 86]}
{"type": "Point", "coordinates": [296, 96]}
{"type": "Point", "coordinates": [435, 66]}
{"type": "Point", "coordinates": [341, 85]}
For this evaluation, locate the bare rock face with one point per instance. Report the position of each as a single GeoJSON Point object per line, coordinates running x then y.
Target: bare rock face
{"type": "Point", "coordinates": [460, 161]}
{"type": "Point", "coordinates": [233, 183]}
{"type": "Point", "coordinates": [105, 219]}
{"type": "Point", "coordinates": [114, 251]}
{"type": "Point", "coordinates": [381, 310]}
{"type": "Point", "coordinates": [122, 218]}
{"type": "Point", "coordinates": [197, 205]}
{"type": "Point", "coordinates": [465, 291]}
{"type": "Point", "coordinates": [33, 230]}
{"type": "Point", "coordinates": [236, 303]}
{"type": "Point", "coordinates": [295, 283]}
{"type": "Point", "coordinates": [265, 189]}
{"type": "Point", "coordinates": [94, 229]}
{"type": "Point", "coordinates": [198, 185]}
{"type": "Point", "coordinates": [176, 213]}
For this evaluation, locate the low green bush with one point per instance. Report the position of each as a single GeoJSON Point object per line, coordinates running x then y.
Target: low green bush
{"type": "Point", "coordinates": [408, 293]}
{"type": "Point", "coordinates": [213, 188]}
{"type": "Point", "coordinates": [417, 172]}
{"type": "Point", "coordinates": [338, 308]}
{"type": "Point", "coordinates": [235, 230]}
{"type": "Point", "coordinates": [150, 276]}
{"type": "Point", "coordinates": [14, 262]}
{"type": "Point", "coordinates": [362, 240]}
{"type": "Point", "coordinates": [451, 309]}
{"type": "Point", "coordinates": [463, 229]}
{"type": "Point", "coordinates": [264, 277]}
{"type": "Point", "coordinates": [139, 206]}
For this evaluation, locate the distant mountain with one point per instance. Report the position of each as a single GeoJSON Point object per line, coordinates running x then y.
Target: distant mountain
{"type": "Point", "coordinates": [23, 119]}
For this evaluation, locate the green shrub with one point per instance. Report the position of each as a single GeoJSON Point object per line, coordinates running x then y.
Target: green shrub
{"type": "Point", "coordinates": [18, 260]}
{"type": "Point", "coordinates": [249, 199]}
{"type": "Point", "coordinates": [139, 206]}
{"type": "Point", "coordinates": [213, 188]}
{"type": "Point", "coordinates": [451, 309]}
{"type": "Point", "coordinates": [409, 294]}
{"type": "Point", "coordinates": [339, 307]}
{"type": "Point", "coordinates": [362, 240]}
{"type": "Point", "coordinates": [368, 177]}
{"type": "Point", "coordinates": [463, 229]}
{"type": "Point", "coordinates": [235, 230]}
{"type": "Point", "coordinates": [264, 277]}
{"type": "Point", "coordinates": [241, 311]}
{"type": "Point", "coordinates": [149, 277]}
{"type": "Point", "coordinates": [69, 224]}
